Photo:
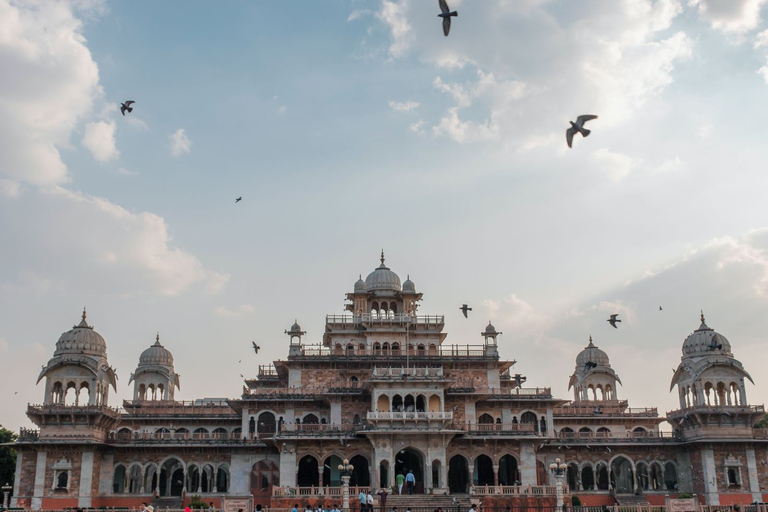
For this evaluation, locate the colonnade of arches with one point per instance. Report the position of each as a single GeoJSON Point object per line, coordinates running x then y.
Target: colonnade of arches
{"type": "Point", "coordinates": [410, 402]}
{"type": "Point", "coordinates": [713, 393]}
{"type": "Point", "coordinates": [385, 348]}
{"type": "Point", "coordinates": [596, 392]}
{"type": "Point", "coordinates": [78, 392]}
{"type": "Point", "coordinates": [487, 422]}
{"type": "Point", "coordinates": [170, 478]}
{"type": "Point", "coordinates": [622, 475]}
{"type": "Point", "coordinates": [483, 470]}
{"type": "Point", "coordinates": [311, 473]}
{"type": "Point", "coordinates": [383, 309]}
{"type": "Point", "coordinates": [151, 392]}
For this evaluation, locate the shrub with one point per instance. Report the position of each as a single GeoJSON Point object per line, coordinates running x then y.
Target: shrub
{"type": "Point", "coordinates": [575, 501]}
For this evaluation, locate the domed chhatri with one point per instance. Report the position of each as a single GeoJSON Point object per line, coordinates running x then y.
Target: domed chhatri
{"type": "Point", "coordinates": [408, 286]}
{"type": "Point", "coordinates": [360, 286]}
{"type": "Point", "coordinates": [704, 341]}
{"type": "Point", "coordinates": [383, 279]}
{"type": "Point", "coordinates": [82, 339]}
{"type": "Point", "coordinates": [592, 354]}
{"type": "Point", "coordinates": [156, 355]}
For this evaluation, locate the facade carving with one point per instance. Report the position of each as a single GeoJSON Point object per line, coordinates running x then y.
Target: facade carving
{"type": "Point", "coordinates": [385, 391]}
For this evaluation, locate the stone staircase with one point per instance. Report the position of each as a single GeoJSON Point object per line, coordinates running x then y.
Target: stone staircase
{"type": "Point", "coordinates": [167, 502]}
{"type": "Point", "coordinates": [631, 500]}
{"type": "Point", "coordinates": [422, 502]}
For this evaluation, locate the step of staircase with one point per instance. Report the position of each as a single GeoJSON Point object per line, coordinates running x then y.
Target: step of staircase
{"type": "Point", "coordinates": [631, 500]}
{"type": "Point", "coordinates": [427, 501]}
{"type": "Point", "coordinates": [172, 503]}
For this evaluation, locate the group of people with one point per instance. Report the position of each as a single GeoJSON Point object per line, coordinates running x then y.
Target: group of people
{"type": "Point", "coordinates": [409, 479]}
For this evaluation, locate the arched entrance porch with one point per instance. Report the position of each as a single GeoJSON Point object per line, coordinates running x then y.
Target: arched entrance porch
{"type": "Point", "coordinates": [411, 460]}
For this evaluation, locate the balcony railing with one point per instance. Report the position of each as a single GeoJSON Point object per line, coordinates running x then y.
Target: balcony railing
{"type": "Point", "coordinates": [340, 386]}
{"type": "Point", "coordinates": [619, 436]}
{"type": "Point", "coordinates": [318, 429]}
{"type": "Point", "coordinates": [408, 416]}
{"type": "Point", "coordinates": [73, 409]}
{"type": "Point", "coordinates": [352, 321]}
{"type": "Point", "coordinates": [397, 373]}
{"type": "Point", "coordinates": [316, 491]}
{"type": "Point", "coordinates": [184, 438]}
{"type": "Point", "coordinates": [515, 490]}
{"type": "Point", "coordinates": [714, 409]}
{"type": "Point", "coordinates": [606, 411]}
{"type": "Point", "coordinates": [28, 435]}
{"type": "Point", "coordinates": [470, 387]}
{"type": "Point", "coordinates": [498, 428]}
{"type": "Point", "coordinates": [267, 371]}
{"type": "Point", "coordinates": [398, 352]}
{"type": "Point", "coordinates": [181, 408]}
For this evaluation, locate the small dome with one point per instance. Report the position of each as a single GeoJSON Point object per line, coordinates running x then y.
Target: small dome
{"type": "Point", "coordinates": [156, 355]}
{"type": "Point", "coordinates": [490, 329]}
{"type": "Point", "coordinates": [408, 285]}
{"type": "Point", "coordinates": [383, 279]}
{"type": "Point", "coordinates": [295, 328]}
{"type": "Point", "coordinates": [81, 339]}
{"type": "Point", "coordinates": [705, 341]}
{"type": "Point", "coordinates": [360, 286]}
{"type": "Point", "coordinates": [592, 354]}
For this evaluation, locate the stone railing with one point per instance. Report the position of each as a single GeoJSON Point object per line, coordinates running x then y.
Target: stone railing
{"type": "Point", "coordinates": [396, 373]}
{"type": "Point", "coordinates": [515, 490]}
{"type": "Point", "coordinates": [318, 429]}
{"type": "Point", "coordinates": [406, 416]}
{"type": "Point", "coordinates": [619, 436]}
{"type": "Point", "coordinates": [73, 409]}
{"type": "Point", "coordinates": [181, 408]}
{"type": "Point", "coordinates": [605, 410]}
{"type": "Point", "coordinates": [499, 428]}
{"type": "Point", "coordinates": [291, 492]}
{"type": "Point", "coordinates": [470, 387]}
{"type": "Point", "coordinates": [397, 352]}
{"type": "Point", "coordinates": [352, 320]}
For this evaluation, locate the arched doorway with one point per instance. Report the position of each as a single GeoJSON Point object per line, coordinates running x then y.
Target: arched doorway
{"type": "Point", "coordinates": [458, 475]}
{"type": "Point", "coordinates": [508, 474]}
{"type": "Point", "coordinates": [171, 478]}
{"type": "Point", "coordinates": [410, 460]}
{"type": "Point", "coordinates": [587, 478]}
{"type": "Point", "coordinates": [264, 475]}
{"type": "Point", "coordinates": [483, 471]}
{"type": "Point", "coordinates": [307, 475]}
{"type": "Point", "coordinates": [361, 475]}
{"type": "Point", "coordinates": [267, 424]}
{"type": "Point", "coordinates": [621, 476]}
{"type": "Point", "coordinates": [331, 473]}
{"type": "Point", "coordinates": [384, 475]}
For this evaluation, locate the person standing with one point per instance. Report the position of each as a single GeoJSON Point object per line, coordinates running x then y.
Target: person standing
{"type": "Point", "coordinates": [383, 499]}
{"type": "Point", "coordinates": [369, 501]}
{"type": "Point", "coordinates": [400, 478]}
{"type": "Point", "coordinates": [410, 481]}
{"type": "Point", "coordinates": [363, 501]}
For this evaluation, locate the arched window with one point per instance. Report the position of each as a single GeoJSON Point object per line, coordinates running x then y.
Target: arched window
{"type": "Point", "coordinates": [670, 476]}
{"type": "Point", "coordinates": [528, 417]}
{"type": "Point", "coordinates": [587, 478]}
{"type": "Point", "coordinates": [485, 422]}
{"type": "Point", "coordinates": [483, 471]}
{"type": "Point", "coordinates": [222, 479]}
{"type": "Point", "coordinates": [508, 472]}
{"type": "Point", "coordinates": [267, 424]}
{"type": "Point", "coordinates": [63, 479]}
{"type": "Point", "coordinates": [307, 475]}
{"type": "Point", "coordinates": [118, 480]}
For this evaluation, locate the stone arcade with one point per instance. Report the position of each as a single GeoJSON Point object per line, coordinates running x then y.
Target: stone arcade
{"type": "Point", "coordinates": [386, 392]}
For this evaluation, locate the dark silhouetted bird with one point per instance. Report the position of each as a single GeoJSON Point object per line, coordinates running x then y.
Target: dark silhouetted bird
{"type": "Point", "coordinates": [714, 345]}
{"type": "Point", "coordinates": [597, 410]}
{"type": "Point", "coordinates": [464, 308]}
{"type": "Point", "coordinates": [613, 321]}
{"type": "Point", "coordinates": [126, 106]}
{"type": "Point", "coordinates": [256, 348]}
{"type": "Point", "coordinates": [660, 309]}
{"type": "Point", "coordinates": [578, 127]}
{"type": "Point", "coordinates": [519, 379]}
{"type": "Point", "coordinates": [238, 199]}
{"type": "Point", "coordinates": [590, 364]}
{"type": "Point", "coordinates": [446, 15]}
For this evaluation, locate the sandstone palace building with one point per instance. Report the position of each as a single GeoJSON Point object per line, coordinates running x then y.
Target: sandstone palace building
{"type": "Point", "coordinates": [387, 392]}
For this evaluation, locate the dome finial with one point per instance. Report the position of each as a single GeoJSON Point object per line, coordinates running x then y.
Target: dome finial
{"type": "Point", "coordinates": [83, 323]}
{"type": "Point", "coordinates": [382, 257]}
{"type": "Point", "coordinates": [702, 316]}
{"type": "Point", "coordinates": [590, 342]}
{"type": "Point", "coordinates": [157, 338]}
{"type": "Point", "coordinates": [84, 314]}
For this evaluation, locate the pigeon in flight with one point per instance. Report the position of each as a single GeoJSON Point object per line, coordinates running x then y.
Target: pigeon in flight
{"type": "Point", "coordinates": [613, 321]}
{"type": "Point", "coordinates": [519, 379]}
{"type": "Point", "coordinates": [714, 345]}
{"type": "Point", "coordinates": [589, 365]}
{"type": "Point", "coordinates": [660, 309]}
{"type": "Point", "coordinates": [597, 410]}
{"type": "Point", "coordinates": [238, 199]}
{"type": "Point", "coordinates": [126, 106]}
{"type": "Point", "coordinates": [256, 348]}
{"type": "Point", "coordinates": [464, 308]}
{"type": "Point", "coordinates": [578, 127]}
{"type": "Point", "coordinates": [446, 15]}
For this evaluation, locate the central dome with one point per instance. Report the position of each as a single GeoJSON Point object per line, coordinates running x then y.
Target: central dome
{"type": "Point", "coordinates": [383, 279]}
{"type": "Point", "coordinates": [592, 354]}
{"type": "Point", "coordinates": [156, 354]}
{"type": "Point", "coordinates": [82, 339]}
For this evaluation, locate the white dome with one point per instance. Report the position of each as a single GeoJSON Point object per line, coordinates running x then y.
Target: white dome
{"type": "Point", "coordinates": [383, 279]}
{"type": "Point", "coordinates": [592, 354]}
{"type": "Point", "coordinates": [156, 355]}
{"type": "Point", "coordinates": [702, 341]}
{"type": "Point", "coordinates": [82, 339]}
{"type": "Point", "coordinates": [360, 286]}
{"type": "Point", "coordinates": [408, 285]}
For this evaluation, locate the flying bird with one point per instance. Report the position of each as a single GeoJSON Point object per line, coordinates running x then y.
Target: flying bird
{"type": "Point", "coordinates": [242, 375]}
{"type": "Point", "coordinates": [597, 410]}
{"type": "Point", "coordinates": [464, 308]}
{"type": "Point", "coordinates": [613, 321]}
{"type": "Point", "coordinates": [714, 345]}
{"type": "Point", "coordinates": [256, 348]}
{"type": "Point", "coordinates": [126, 106]}
{"type": "Point", "coordinates": [446, 15]}
{"type": "Point", "coordinates": [238, 199]}
{"type": "Point", "coordinates": [578, 127]}
{"type": "Point", "coordinates": [519, 379]}
{"type": "Point", "coordinates": [660, 309]}
{"type": "Point", "coordinates": [591, 364]}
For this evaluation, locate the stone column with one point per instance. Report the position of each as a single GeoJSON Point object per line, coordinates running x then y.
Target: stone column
{"type": "Point", "coordinates": [496, 476]}
{"type": "Point", "coordinates": [39, 492]}
{"type": "Point", "coordinates": [17, 478]}
{"type": "Point", "coordinates": [335, 413]}
{"type": "Point", "coordinates": [86, 480]}
{"type": "Point", "coordinates": [710, 477]}
{"type": "Point", "coordinates": [288, 466]}
{"type": "Point", "coordinates": [320, 471]}
{"type": "Point", "coordinates": [527, 464]}
{"type": "Point", "coordinates": [754, 485]}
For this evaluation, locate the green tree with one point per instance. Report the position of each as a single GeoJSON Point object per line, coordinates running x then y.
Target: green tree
{"type": "Point", "coordinates": [763, 423]}
{"type": "Point", "coordinates": [7, 456]}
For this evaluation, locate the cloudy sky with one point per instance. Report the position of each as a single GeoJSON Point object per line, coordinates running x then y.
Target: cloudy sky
{"type": "Point", "coordinates": [349, 126]}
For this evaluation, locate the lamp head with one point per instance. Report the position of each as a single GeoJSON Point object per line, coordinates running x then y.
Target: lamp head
{"type": "Point", "coordinates": [346, 462]}
{"type": "Point", "coordinates": [341, 467]}
{"type": "Point", "coordinates": [351, 467]}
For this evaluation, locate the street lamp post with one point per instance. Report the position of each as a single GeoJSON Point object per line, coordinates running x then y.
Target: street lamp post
{"type": "Point", "coordinates": [346, 471]}
{"type": "Point", "coordinates": [6, 490]}
{"type": "Point", "coordinates": [558, 469]}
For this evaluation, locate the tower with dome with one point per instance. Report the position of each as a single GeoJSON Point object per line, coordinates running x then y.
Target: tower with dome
{"type": "Point", "coordinates": [383, 387]}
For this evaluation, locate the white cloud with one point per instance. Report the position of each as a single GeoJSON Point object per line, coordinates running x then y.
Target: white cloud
{"type": "Point", "coordinates": [671, 165]}
{"type": "Point", "coordinates": [518, 316]}
{"type": "Point", "coordinates": [9, 188]}
{"type": "Point", "coordinates": [99, 138]}
{"type": "Point", "coordinates": [730, 16]}
{"type": "Point", "coordinates": [616, 166]}
{"type": "Point", "coordinates": [403, 106]}
{"type": "Point", "coordinates": [49, 85]}
{"type": "Point", "coordinates": [452, 126]}
{"type": "Point", "coordinates": [394, 14]}
{"type": "Point", "coordinates": [127, 172]}
{"type": "Point", "coordinates": [242, 310]}
{"type": "Point", "coordinates": [180, 143]}
{"type": "Point", "coordinates": [417, 127]}
{"type": "Point", "coordinates": [136, 122]}
{"type": "Point", "coordinates": [116, 251]}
